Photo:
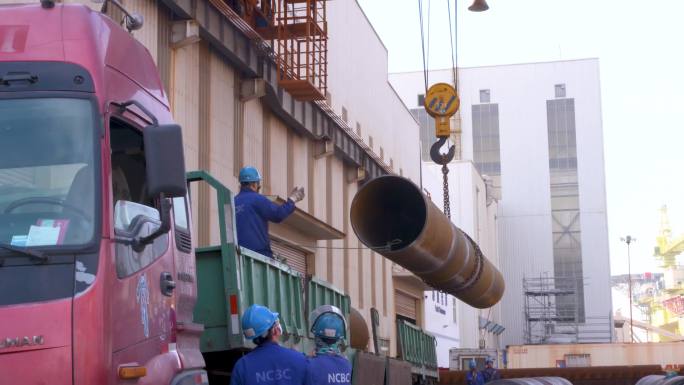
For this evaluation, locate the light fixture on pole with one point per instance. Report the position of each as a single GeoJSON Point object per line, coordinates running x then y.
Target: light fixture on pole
{"type": "Point", "coordinates": [479, 6]}
{"type": "Point", "coordinates": [628, 240]}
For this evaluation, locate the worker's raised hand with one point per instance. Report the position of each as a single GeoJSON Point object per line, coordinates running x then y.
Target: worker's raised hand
{"type": "Point", "coordinates": [297, 194]}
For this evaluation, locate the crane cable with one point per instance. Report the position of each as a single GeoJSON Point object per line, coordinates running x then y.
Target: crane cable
{"type": "Point", "coordinates": [422, 41]}
{"type": "Point", "coordinates": [453, 39]}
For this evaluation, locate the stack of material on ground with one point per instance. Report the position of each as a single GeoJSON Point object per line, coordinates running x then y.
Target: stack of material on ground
{"type": "Point", "coordinates": [595, 375]}
{"type": "Point", "coordinates": [532, 381]}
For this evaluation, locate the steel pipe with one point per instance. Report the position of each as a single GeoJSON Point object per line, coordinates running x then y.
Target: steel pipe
{"type": "Point", "coordinates": [661, 380]}
{"type": "Point", "coordinates": [393, 217]}
{"type": "Point", "coordinates": [532, 381]}
{"type": "Point", "coordinates": [358, 331]}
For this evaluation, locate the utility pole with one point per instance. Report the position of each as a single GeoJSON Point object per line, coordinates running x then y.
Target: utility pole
{"type": "Point", "coordinates": [628, 240]}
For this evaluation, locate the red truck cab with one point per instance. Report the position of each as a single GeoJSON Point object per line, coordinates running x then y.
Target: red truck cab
{"type": "Point", "coordinates": [97, 273]}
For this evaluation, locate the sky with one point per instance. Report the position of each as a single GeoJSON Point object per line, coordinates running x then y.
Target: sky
{"type": "Point", "coordinates": [639, 47]}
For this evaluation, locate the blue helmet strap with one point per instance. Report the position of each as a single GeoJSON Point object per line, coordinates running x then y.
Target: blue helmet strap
{"type": "Point", "coordinates": [327, 346]}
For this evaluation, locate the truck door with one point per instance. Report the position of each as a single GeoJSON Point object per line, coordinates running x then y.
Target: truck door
{"type": "Point", "coordinates": [142, 294]}
{"type": "Point", "coordinates": [187, 336]}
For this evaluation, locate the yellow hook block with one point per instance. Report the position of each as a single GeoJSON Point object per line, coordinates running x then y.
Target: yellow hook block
{"type": "Point", "coordinates": [442, 126]}
{"type": "Point", "coordinates": [442, 100]}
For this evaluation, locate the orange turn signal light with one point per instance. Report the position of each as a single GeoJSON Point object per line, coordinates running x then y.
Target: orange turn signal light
{"type": "Point", "coordinates": [132, 372]}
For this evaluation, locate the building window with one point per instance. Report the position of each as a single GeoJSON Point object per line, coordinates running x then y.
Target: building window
{"type": "Point", "coordinates": [560, 90]}
{"type": "Point", "coordinates": [455, 310]}
{"type": "Point", "coordinates": [486, 146]}
{"type": "Point", "coordinates": [560, 116]}
{"type": "Point", "coordinates": [565, 209]}
{"type": "Point", "coordinates": [433, 296]}
{"type": "Point", "coordinates": [344, 115]}
{"type": "Point", "coordinates": [427, 132]}
{"type": "Point", "coordinates": [421, 100]}
{"type": "Point", "coordinates": [486, 143]}
{"type": "Point", "coordinates": [485, 96]}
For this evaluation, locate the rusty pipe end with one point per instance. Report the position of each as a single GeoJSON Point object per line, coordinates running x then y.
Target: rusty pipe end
{"type": "Point", "coordinates": [391, 215]}
{"type": "Point", "coordinates": [388, 213]}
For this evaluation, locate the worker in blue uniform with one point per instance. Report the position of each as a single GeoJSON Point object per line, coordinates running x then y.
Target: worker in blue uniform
{"type": "Point", "coordinates": [269, 363]}
{"type": "Point", "coordinates": [490, 373]}
{"type": "Point", "coordinates": [328, 365]}
{"type": "Point", "coordinates": [474, 377]}
{"type": "Point", "coordinates": [253, 211]}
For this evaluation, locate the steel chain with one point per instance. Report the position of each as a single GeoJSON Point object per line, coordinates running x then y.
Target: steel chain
{"type": "Point", "coordinates": [447, 208]}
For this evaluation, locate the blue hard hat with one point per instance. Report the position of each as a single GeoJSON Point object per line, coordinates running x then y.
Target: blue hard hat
{"type": "Point", "coordinates": [257, 321]}
{"type": "Point", "coordinates": [489, 360]}
{"type": "Point", "coordinates": [249, 174]}
{"type": "Point", "coordinates": [472, 364]}
{"type": "Point", "coordinates": [328, 322]}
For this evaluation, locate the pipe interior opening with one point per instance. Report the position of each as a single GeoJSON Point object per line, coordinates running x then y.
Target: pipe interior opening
{"type": "Point", "coordinates": [388, 210]}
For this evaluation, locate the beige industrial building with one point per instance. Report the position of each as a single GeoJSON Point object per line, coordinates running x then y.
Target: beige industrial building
{"type": "Point", "coordinates": [222, 84]}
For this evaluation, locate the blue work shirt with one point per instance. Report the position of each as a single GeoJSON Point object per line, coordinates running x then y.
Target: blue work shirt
{"type": "Point", "coordinates": [478, 380]}
{"type": "Point", "coordinates": [270, 364]}
{"type": "Point", "coordinates": [490, 374]}
{"type": "Point", "coordinates": [329, 369]}
{"type": "Point", "coordinates": [253, 211]}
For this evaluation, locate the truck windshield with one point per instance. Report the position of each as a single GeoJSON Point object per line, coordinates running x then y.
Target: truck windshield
{"type": "Point", "coordinates": [47, 172]}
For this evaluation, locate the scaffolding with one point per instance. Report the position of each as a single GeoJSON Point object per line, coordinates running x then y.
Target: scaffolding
{"type": "Point", "coordinates": [553, 314]}
{"type": "Point", "coordinates": [294, 33]}
{"type": "Point", "coordinates": [551, 310]}
{"type": "Point", "coordinates": [298, 32]}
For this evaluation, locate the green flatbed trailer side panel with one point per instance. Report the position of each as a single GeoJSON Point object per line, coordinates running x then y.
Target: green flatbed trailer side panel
{"type": "Point", "coordinates": [211, 307]}
{"type": "Point", "coordinates": [418, 348]}
{"type": "Point", "coordinates": [273, 284]}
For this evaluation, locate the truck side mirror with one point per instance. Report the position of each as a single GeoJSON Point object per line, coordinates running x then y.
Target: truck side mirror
{"type": "Point", "coordinates": [165, 161]}
{"type": "Point", "coordinates": [129, 216]}
{"type": "Point", "coordinates": [165, 166]}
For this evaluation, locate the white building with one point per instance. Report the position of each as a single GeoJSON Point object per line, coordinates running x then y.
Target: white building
{"type": "Point", "coordinates": [536, 130]}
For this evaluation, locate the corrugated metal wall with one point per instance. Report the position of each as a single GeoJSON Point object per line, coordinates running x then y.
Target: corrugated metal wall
{"type": "Point", "coordinates": [406, 305]}
{"type": "Point", "coordinates": [296, 258]}
{"type": "Point", "coordinates": [523, 257]}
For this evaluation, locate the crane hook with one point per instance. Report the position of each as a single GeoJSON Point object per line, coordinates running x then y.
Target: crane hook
{"type": "Point", "coordinates": [437, 156]}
